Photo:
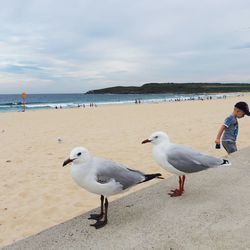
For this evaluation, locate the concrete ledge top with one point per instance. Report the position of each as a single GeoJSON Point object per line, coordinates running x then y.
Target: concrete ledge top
{"type": "Point", "coordinates": [213, 213]}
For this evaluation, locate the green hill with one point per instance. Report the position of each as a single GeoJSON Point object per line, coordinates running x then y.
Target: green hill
{"type": "Point", "coordinates": [156, 88]}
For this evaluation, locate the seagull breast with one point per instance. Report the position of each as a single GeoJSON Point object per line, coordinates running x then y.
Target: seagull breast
{"type": "Point", "coordinates": [160, 155]}
{"type": "Point", "coordinates": [86, 176]}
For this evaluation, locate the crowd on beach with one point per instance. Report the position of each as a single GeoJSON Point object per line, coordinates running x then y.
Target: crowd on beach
{"type": "Point", "coordinates": [79, 106]}
{"type": "Point", "coordinates": [199, 98]}
{"type": "Point", "coordinates": [139, 101]}
{"type": "Point", "coordinates": [192, 98]}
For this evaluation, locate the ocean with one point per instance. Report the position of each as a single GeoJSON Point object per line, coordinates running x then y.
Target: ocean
{"type": "Point", "coordinates": [13, 103]}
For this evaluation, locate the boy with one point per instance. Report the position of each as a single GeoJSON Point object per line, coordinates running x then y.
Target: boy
{"type": "Point", "coordinates": [230, 128]}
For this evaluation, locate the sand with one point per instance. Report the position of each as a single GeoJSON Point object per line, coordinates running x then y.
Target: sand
{"type": "Point", "coordinates": [37, 192]}
{"type": "Point", "coordinates": [212, 214]}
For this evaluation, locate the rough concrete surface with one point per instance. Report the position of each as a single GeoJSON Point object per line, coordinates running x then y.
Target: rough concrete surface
{"type": "Point", "coordinates": [213, 213]}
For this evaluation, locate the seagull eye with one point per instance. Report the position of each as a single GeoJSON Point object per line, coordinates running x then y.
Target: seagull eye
{"type": "Point", "coordinates": [79, 154]}
{"type": "Point", "coordinates": [156, 137]}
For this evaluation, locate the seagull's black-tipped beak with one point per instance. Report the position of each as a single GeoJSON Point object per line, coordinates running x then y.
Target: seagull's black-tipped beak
{"type": "Point", "coordinates": [145, 141]}
{"type": "Point", "coordinates": [67, 162]}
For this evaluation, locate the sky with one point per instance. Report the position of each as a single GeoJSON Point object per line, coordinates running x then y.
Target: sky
{"type": "Point", "coordinates": [74, 46]}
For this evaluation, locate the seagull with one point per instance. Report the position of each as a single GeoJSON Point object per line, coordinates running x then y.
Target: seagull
{"type": "Point", "coordinates": [59, 140]}
{"type": "Point", "coordinates": [180, 159]}
{"type": "Point", "coordinates": [103, 177]}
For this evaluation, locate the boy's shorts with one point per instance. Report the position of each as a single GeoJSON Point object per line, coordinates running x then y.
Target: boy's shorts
{"type": "Point", "coordinates": [229, 146]}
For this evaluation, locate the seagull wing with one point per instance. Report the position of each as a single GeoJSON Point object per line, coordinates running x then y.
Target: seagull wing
{"type": "Point", "coordinates": [108, 170]}
{"type": "Point", "coordinates": [188, 160]}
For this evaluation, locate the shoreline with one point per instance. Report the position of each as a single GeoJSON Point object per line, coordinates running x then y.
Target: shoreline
{"type": "Point", "coordinates": [37, 193]}
{"type": "Point", "coordinates": [138, 99]}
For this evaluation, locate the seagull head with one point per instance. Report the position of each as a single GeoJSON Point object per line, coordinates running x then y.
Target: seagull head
{"type": "Point", "coordinates": [157, 138]}
{"type": "Point", "coordinates": [78, 155]}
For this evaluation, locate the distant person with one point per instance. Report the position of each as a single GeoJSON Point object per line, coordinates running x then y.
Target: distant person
{"type": "Point", "coordinates": [230, 128]}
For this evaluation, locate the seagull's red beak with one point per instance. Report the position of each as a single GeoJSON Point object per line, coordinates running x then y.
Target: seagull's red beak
{"type": "Point", "coordinates": [145, 141]}
{"type": "Point", "coordinates": [67, 162]}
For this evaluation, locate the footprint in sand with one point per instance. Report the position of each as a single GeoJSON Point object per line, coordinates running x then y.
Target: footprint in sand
{"type": "Point", "coordinates": [23, 194]}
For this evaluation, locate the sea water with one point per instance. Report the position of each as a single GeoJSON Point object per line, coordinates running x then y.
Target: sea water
{"type": "Point", "coordinates": [14, 102]}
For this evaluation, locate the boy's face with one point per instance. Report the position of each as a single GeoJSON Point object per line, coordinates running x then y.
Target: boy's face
{"type": "Point", "coordinates": [239, 113]}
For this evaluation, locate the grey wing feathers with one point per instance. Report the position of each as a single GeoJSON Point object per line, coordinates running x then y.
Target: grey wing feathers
{"type": "Point", "coordinates": [103, 179]}
{"type": "Point", "coordinates": [108, 170]}
{"type": "Point", "coordinates": [187, 160]}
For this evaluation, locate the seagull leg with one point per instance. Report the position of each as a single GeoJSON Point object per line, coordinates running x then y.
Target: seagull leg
{"type": "Point", "coordinates": [178, 192]}
{"type": "Point", "coordinates": [180, 184]}
{"type": "Point", "coordinates": [102, 223]}
{"type": "Point", "coordinates": [98, 216]}
{"type": "Point", "coordinates": [183, 181]}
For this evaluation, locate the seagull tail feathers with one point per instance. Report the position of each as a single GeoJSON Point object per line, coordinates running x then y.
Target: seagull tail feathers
{"type": "Point", "coordinates": [149, 177]}
{"type": "Point", "coordinates": [226, 163]}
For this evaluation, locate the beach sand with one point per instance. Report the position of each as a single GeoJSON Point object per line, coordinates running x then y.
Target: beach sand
{"type": "Point", "coordinates": [37, 192]}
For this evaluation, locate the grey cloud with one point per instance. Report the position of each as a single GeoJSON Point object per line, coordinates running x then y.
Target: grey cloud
{"type": "Point", "coordinates": [80, 44]}
{"type": "Point", "coordinates": [19, 69]}
{"type": "Point", "coordinates": [242, 46]}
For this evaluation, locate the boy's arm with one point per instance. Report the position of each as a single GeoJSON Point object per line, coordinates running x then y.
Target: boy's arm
{"type": "Point", "coordinates": [220, 132]}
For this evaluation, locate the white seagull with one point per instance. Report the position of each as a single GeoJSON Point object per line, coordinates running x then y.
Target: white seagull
{"type": "Point", "coordinates": [180, 159]}
{"type": "Point", "coordinates": [103, 177]}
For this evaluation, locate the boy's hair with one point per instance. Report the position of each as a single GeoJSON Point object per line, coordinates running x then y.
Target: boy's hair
{"type": "Point", "coordinates": [243, 107]}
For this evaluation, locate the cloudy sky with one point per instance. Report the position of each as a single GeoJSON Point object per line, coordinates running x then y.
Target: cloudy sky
{"type": "Point", "coordinates": [63, 46]}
